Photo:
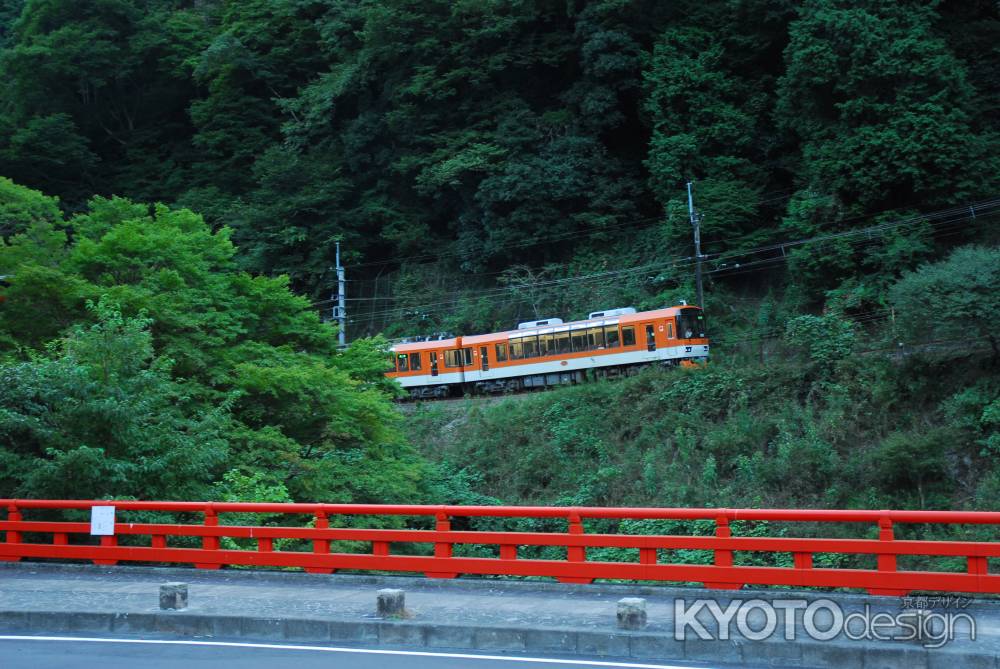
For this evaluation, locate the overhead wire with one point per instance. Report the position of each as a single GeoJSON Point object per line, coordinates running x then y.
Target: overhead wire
{"type": "Point", "coordinates": [945, 218]}
{"type": "Point", "coordinates": [651, 220]}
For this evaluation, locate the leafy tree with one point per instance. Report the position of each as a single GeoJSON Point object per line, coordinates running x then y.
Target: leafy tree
{"type": "Point", "coordinates": [956, 299]}
{"type": "Point", "coordinates": [318, 422]}
{"type": "Point", "coordinates": [882, 107]}
{"type": "Point", "coordinates": [96, 95]}
{"type": "Point", "coordinates": [21, 207]}
{"type": "Point", "coordinates": [827, 338]}
{"type": "Point", "coordinates": [100, 416]}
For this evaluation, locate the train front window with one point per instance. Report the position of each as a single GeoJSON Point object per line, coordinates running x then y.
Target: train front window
{"type": "Point", "coordinates": [691, 324]}
{"type": "Point", "coordinates": [414, 362]}
{"type": "Point", "coordinates": [401, 365]}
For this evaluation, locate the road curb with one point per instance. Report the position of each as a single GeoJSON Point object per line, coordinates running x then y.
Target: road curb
{"type": "Point", "coordinates": [435, 636]}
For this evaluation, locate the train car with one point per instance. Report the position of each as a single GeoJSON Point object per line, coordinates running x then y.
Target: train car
{"type": "Point", "coordinates": [550, 352]}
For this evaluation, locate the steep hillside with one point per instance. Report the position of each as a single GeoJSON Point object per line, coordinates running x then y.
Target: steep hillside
{"type": "Point", "coordinates": [915, 431]}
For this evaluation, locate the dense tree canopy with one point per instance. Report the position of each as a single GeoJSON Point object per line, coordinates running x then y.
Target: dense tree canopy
{"type": "Point", "coordinates": [242, 349]}
{"type": "Point", "coordinates": [481, 135]}
{"type": "Point", "coordinates": [175, 176]}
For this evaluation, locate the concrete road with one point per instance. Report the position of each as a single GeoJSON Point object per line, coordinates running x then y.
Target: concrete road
{"type": "Point", "coordinates": [49, 652]}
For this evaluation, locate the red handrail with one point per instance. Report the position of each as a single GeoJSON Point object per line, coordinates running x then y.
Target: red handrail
{"type": "Point", "coordinates": [442, 562]}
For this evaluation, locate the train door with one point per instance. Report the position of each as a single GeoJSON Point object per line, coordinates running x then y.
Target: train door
{"type": "Point", "coordinates": [485, 358]}
{"type": "Point", "coordinates": [650, 337]}
{"type": "Point", "coordinates": [434, 363]}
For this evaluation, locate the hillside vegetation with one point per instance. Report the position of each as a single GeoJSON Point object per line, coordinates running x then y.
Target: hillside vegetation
{"type": "Point", "coordinates": [175, 175]}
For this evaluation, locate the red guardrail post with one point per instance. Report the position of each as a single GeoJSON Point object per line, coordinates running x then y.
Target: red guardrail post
{"type": "Point", "coordinates": [723, 558]}
{"type": "Point", "coordinates": [886, 561]}
{"type": "Point", "coordinates": [575, 553]}
{"type": "Point", "coordinates": [210, 543]}
{"type": "Point", "coordinates": [13, 516]}
{"type": "Point", "coordinates": [107, 542]}
{"type": "Point", "coordinates": [321, 546]}
{"type": "Point", "coordinates": [442, 549]}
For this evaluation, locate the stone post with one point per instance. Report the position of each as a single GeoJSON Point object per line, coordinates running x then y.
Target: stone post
{"type": "Point", "coordinates": [631, 613]}
{"type": "Point", "coordinates": [391, 602]}
{"type": "Point", "coordinates": [173, 596]}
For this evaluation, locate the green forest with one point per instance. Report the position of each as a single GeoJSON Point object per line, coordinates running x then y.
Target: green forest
{"type": "Point", "coordinates": [175, 176]}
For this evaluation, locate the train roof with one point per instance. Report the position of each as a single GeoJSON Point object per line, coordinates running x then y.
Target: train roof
{"type": "Point", "coordinates": [573, 325]}
{"type": "Point", "coordinates": [434, 345]}
{"type": "Point", "coordinates": [508, 334]}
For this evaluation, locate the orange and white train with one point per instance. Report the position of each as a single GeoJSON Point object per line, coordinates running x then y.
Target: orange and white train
{"type": "Point", "coordinates": [549, 352]}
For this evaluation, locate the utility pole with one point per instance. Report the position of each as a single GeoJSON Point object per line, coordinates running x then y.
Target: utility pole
{"type": "Point", "coordinates": [340, 311]}
{"type": "Point", "coordinates": [695, 223]}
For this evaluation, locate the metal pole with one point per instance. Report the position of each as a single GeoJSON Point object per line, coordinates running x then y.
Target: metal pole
{"type": "Point", "coordinates": [697, 246]}
{"type": "Point", "coordinates": [341, 302]}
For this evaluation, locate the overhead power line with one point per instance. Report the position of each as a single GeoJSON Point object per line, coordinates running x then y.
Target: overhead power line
{"type": "Point", "coordinates": [857, 238]}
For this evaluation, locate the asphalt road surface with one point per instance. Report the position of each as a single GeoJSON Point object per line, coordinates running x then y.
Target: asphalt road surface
{"type": "Point", "coordinates": [38, 652]}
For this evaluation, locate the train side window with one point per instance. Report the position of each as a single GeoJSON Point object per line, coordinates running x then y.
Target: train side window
{"type": "Point", "coordinates": [516, 349]}
{"type": "Point", "coordinates": [414, 362]}
{"type": "Point", "coordinates": [670, 330]}
{"type": "Point", "coordinates": [562, 342]}
{"type": "Point", "coordinates": [546, 344]}
{"type": "Point", "coordinates": [611, 336]}
{"type": "Point", "coordinates": [530, 346]}
{"type": "Point", "coordinates": [579, 338]}
{"type": "Point", "coordinates": [452, 359]}
{"type": "Point", "coordinates": [501, 352]}
{"type": "Point", "coordinates": [402, 366]}
{"type": "Point", "coordinates": [628, 335]}
{"type": "Point", "coordinates": [595, 338]}
{"type": "Point", "coordinates": [467, 353]}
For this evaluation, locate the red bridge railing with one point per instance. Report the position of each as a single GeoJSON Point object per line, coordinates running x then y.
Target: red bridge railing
{"type": "Point", "coordinates": [391, 549]}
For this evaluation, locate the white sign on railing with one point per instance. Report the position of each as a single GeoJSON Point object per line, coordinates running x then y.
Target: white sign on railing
{"type": "Point", "coordinates": [102, 520]}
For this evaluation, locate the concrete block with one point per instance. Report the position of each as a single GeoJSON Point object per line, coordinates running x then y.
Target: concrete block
{"type": "Point", "coordinates": [353, 631]}
{"type": "Point", "coordinates": [936, 659]}
{"type": "Point", "coordinates": [390, 602]}
{"type": "Point", "coordinates": [824, 655]}
{"type": "Point", "coordinates": [173, 596]}
{"type": "Point", "coordinates": [185, 625]}
{"type": "Point", "coordinates": [495, 638]}
{"type": "Point", "coordinates": [631, 613]}
{"type": "Point", "coordinates": [135, 623]}
{"type": "Point", "coordinates": [71, 621]}
{"type": "Point", "coordinates": [656, 646]}
{"type": "Point", "coordinates": [227, 627]}
{"type": "Point", "coordinates": [449, 636]}
{"type": "Point", "coordinates": [894, 658]}
{"type": "Point", "coordinates": [263, 628]}
{"type": "Point", "coordinates": [771, 653]}
{"type": "Point", "coordinates": [710, 649]}
{"type": "Point", "coordinates": [602, 643]}
{"type": "Point", "coordinates": [559, 641]}
{"type": "Point", "coordinates": [14, 621]}
{"type": "Point", "coordinates": [401, 634]}
{"type": "Point", "coordinates": [307, 630]}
